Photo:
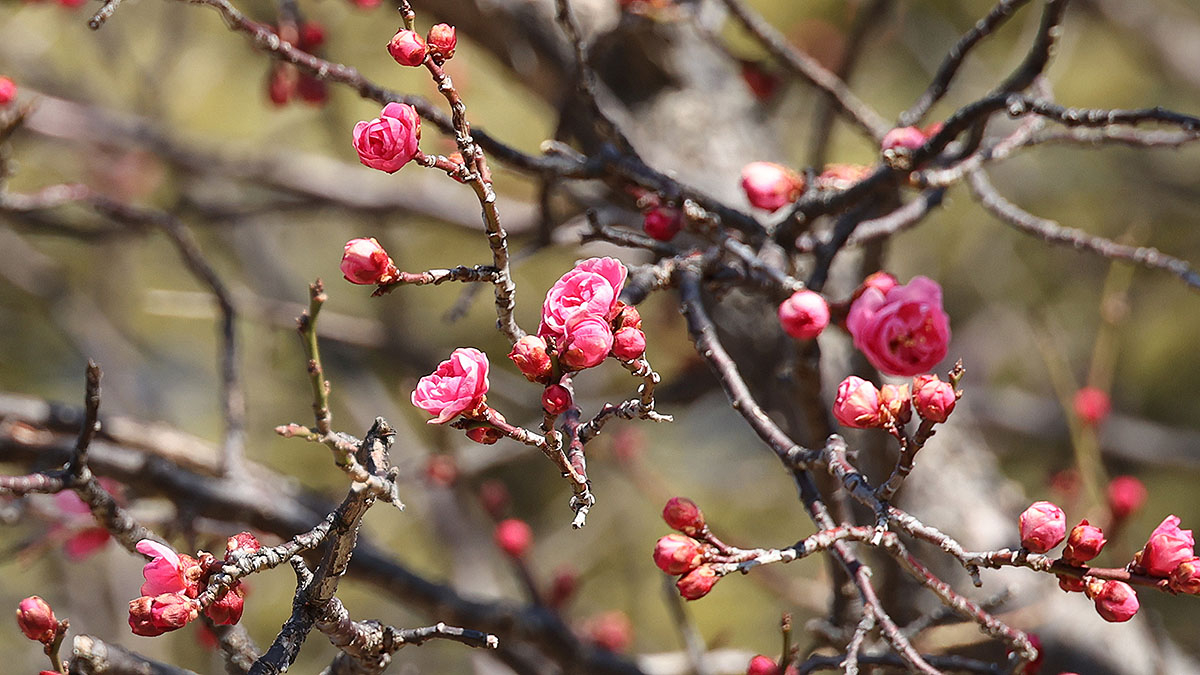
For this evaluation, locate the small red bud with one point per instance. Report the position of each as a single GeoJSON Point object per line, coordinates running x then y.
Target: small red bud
{"type": "Point", "coordinates": [610, 630]}
{"type": "Point", "coordinates": [1092, 405]}
{"type": "Point", "coordinates": [407, 48]}
{"type": "Point", "coordinates": [697, 583]}
{"type": "Point", "coordinates": [495, 498]}
{"type": "Point", "coordinates": [365, 262]}
{"type": "Point", "coordinates": [1070, 584]}
{"type": "Point", "coordinates": [514, 537]}
{"type": "Point", "coordinates": [857, 404]}
{"type": "Point", "coordinates": [1115, 601]}
{"type": "Point", "coordinates": [8, 91]}
{"type": "Point", "coordinates": [762, 665]}
{"type": "Point", "coordinates": [227, 610]}
{"type": "Point", "coordinates": [36, 619]}
{"type": "Point", "coordinates": [312, 35]}
{"type": "Point", "coordinates": [804, 315]}
{"type": "Point", "coordinates": [662, 223]}
{"type": "Point", "coordinates": [895, 399]}
{"type": "Point", "coordinates": [1126, 495]}
{"type": "Point", "coordinates": [1084, 543]}
{"type": "Point", "coordinates": [683, 515]}
{"type": "Point", "coordinates": [629, 344]}
{"type": "Point", "coordinates": [678, 554]}
{"type": "Point", "coordinates": [1043, 526]}
{"type": "Point", "coordinates": [933, 399]}
{"type": "Point", "coordinates": [556, 399]}
{"type": "Point", "coordinates": [442, 40]}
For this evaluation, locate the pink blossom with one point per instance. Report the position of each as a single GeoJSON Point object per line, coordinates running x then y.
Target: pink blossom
{"type": "Point", "coordinates": [682, 514]}
{"type": "Point", "coordinates": [1167, 547]}
{"type": "Point", "coordinates": [365, 262]}
{"type": "Point", "coordinates": [677, 554]}
{"type": "Point", "coordinates": [587, 340]}
{"type": "Point", "coordinates": [880, 281]}
{"type": "Point", "coordinates": [227, 609]}
{"type": "Point", "coordinates": [629, 344]}
{"type": "Point", "coordinates": [529, 353]}
{"type": "Point", "coordinates": [903, 331]}
{"type": "Point", "coordinates": [1126, 495]}
{"type": "Point", "coordinates": [407, 47]}
{"type": "Point", "coordinates": [442, 40]}
{"type": "Point", "coordinates": [1084, 543]}
{"type": "Point", "coordinates": [908, 138]}
{"type": "Point", "coordinates": [36, 619]}
{"type": "Point", "coordinates": [556, 399]}
{"type": "Point", "coordinates": [662, 223]}
{"type": "Point", "coordinates": [1043, 526]}
{"type": "Point", "coordinates": [389, 141]}
{"type": "Point", "coordinates": [514, 537]}
{"type": "Point", "coordinates": [153, 616]}
{"type": "Point", "coordinates": [591, 288]}
{"type": "Point", "coordinates": [804, 315]}
{"type": "Point", "coordinates": [163, 574]}
{"type": "Point", "coordinates": [457, 386]}
{"type": "Point", "coordinates": [1186, 577]}
{"type": "Point", "coordinates": [857, 404]}
{"type": "Point", "coordinates": [769, 186]}
{"type": "Point", "coordinates": [762, 665]}
{"type": "Point", "coordinates": [8, 91]}
{"type": "Point", "coordinates": [697, 583]}
{"type": "Point", "coordinates": [1092, 405]}
{"type": "Point", "coordinates": [933, 399]}
{"type": "Point", "coordinates": [1115, 601]}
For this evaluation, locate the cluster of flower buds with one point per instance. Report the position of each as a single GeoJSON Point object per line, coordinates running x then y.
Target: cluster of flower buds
{"type": "Point", "coordinates": [900, 328]}
{"type": "Point", "coordinates": [365, 262]}
{"type": "Point", "coordinates": [391, 140]}
{"type": "Point", "coordinates": [859, 404]}
{"type": "Point", "coordinates": [686, 554]}
{"type": "Point", "coordinates": [769, 186]}
{"type": "Point", "coordinates": [8, 91]}
{"type": "Point", "coordinates": [284, 81]}
{"type": "Point", "coordinates": [173, 582]}
{"type": "Point", "coordinates": [408, 48]}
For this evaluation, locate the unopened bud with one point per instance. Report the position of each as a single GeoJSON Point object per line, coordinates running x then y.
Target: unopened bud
{"type": "Point", "coordinates": [1043, 526]}
{"type": "Point", "coordinates": [697, 583]}
{"type": "Point", "coordinates": [556, 399]}
{"type": "Point", "coordinates": [1084, 543]}
{"type": "Point", "coordinates": [1115, 601]}
{"type": "Point", "coordinates": [240, 544]}
{"type": "Point", "coordinates": [227, 610]}
{"type": "Point", "coordinates": [1092, 405]}
{"type": "Point", "coordinates": [629, 344]}
{"type": "Point", "coordinates": [804, 315]}
{"type": "Point", "coordinates": [365, 262]}
{"type": "Point", "coordinates": [857, 404]}
{"type": "Point", "coordinates": [514, 537]}
{"type": "Point", "coordinates": [762, 665]}
{"type": "Point", "coordinates": [1126, 495]}
{"type": "Point", "coordinates": [683, 515]}
{"type": "Point", "coordinates": [678, 554]}
{"type": "Point", "coordinates": [529, 353]}
{"type": "Point", "coordinates": [769, 186]}
{"type": "Point", "coordinates": [662, 223]}
{"type": "Point", "coordinates": [442, 40]}
{"type": "Point", "coordinates": [407, 47]}
{"type": "Point", "coordinates": [895, 399]}
{"type": "Point", "coordinates": [1186, 577]}
{"type": "Point", "coordinates": [36, 619]}
{"type": "Point", "coordinates": [933, 399]}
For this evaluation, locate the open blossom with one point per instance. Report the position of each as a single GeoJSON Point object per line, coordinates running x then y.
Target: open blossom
{"type": "Point", "coordinates": [389, 141]}
{"type": "Point", "coordinates": [1043, 526]}
{"type": "Point", "coordinates": [1115, 601]}
{"type": "Point", "coordinates": [770, 186]}
{"type": "Point", "coordinates": [903, 331]}
{"type": "Point", "coordinates": [365, 262]}
{"type": "Point", "coordinates": [167, 572]}
{"type": "Point", "coordinates": [677, 554]}
{"type": "Point", "coordinates": [933, 399]}
{"type": "Point", "coordinates": [458, 385]}
{"type": "Point", "coordinates": [1167, 547]}
{"type": "Point", "coordinates": [857, 404]}
{"type": "Point", "coordinates": [590, 288]}
{"type": "Point", "coordinates": [804, 315]}
{"type": "Point", "coordinates": [36, 619]}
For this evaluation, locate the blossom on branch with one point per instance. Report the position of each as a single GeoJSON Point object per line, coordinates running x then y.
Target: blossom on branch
{"type": "Point", "coordinates": [1116, 601]}
{"type": "Point", "coordinates": [459, 385]}
{"type": "Point", "coordinates": [1126, 495]}
{"type": "Point", "coordinates": [933, 399]}
{"type": "Point", "coordinates": [769, 186]}
{"type": "Point", "coordinates": [36, 619]}
{"type": "Point", "coordinates": [442, 39]}
{"type": "Point", "coordinates": [902, 331]}
{"type": "Point", "coordinates": [1165, 549]}
{"type": "Point", "coordinates": [407, 48]}
{"type": "Point", "coordinates": [804, 315]}
{"type": "Point", "coordinates": [1043, 526]}
{"type": "Point", "coordinates": [389, 141]}
{"type": "Point", "coordinates": [591, 288]}
{"type": "Point", "coordinates": [366, 262]}
{"type": "Point", "coordinates": [857, 404]}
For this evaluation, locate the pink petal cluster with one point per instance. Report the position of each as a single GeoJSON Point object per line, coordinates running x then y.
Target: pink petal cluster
{"type": "Point", "coordinates": [896, 401]}
{"type": "Point", "coordinates": [457, 386]}
{"type": "Point", "coordinates": [769, 186]}
{"type": "Point", "coordinates": [901, 331]}
{"type": "Point", "coordinates": [587, 340]}
{"type": "Point", "coordinates": [1043, 526]}
{"type": "Point", "coordinates": [678, 554]}
{"type": "Point", "coordinates": [857, 404]}
{"type": "Point", "coordinates": [153, 616]}
{"type": "Point", "coordinates": [407, 48]}
{"type": "Point", "coordinates": [1092, 405]}
{"type": "Point", "coordinates": [365, 262]}
{"type": "Point", "coordinates": [933, 399]}
{"type": "Point", "coordinates": [1167, 547]}
{"type": "Point", "coordinates": [167, 571]}
{"type": "Point", "coordinates": [36, 619]}
{"type": "Point", "coordinates": [442, 40]}
{"type": "Point", "coordinates": [173, 582]}
{"type": "Point", "coordinates": [804, 315]}
{"type": "Point", "coordinates": [389, 141]}
{"type": "Point", "coordinates": [591, 288]}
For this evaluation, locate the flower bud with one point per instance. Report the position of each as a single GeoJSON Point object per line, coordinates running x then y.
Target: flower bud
{"type": "Point", "coordinates": [906, 138]}
{"type": "Point", "coordinates": [391, 140]}
{"type": "Point", "coordinates": [683, 515]}
{"type": "Point", "coordinates": [1043, 526]}
{"type": "Point", "coordinates": [485, 435]}
{"type": "Point", "coordinates": [407, 47]}
{"type": "Point", "coordinates": [587, 341]}
{"type": "Point", "coordinates": [609, 630]}
{"type": "Point", "coordinates": [804, 315]}
{"type": "Point", "coordinates": [1115, 601]}
{"type": "Point", "coordinates": [769, 186]}
{"type": "Point", "coordinates": [1167, 547]}
{"type": "Point", "coordinates": [442, 40]}
{"type": "Point", "coordinates": [1070, 584]}
{"type": "Point", "coordinates": [678, 554]}
{"type": "Point", "coordinates": [1084, 543]}
{"type": "Point", "coordinates": [514, 537]}
{"type": "Point", "coordinates": [627, 317]}
{"type": "Point", "coordinates": [1186, 577]}
{"type": "Point", "coordinates": [562, 588]}
{"type": "Point", "coordinates": [36, 619]}
{"type": "Point", "coordinates": [441, 469]}
{"type": "Point", "coordinates": [762, 665]}
{"type": "Point", "coordinates": [629, 344]}
{"type": "Point", "coordinates": [556, 399]}
{"type": "Point", "coordinates": [227, 610]}
{"type": "Point", "coordinates": [1092, 405]}
{"type": "Point", "coordinates": [857, 404]}
{"type": "Point", "coordinates": [365, 262]}
{"type": "Point", "coordinates": [529, 353]}
{"type": "Point", "coordinates": [761, 82]}
{"type": "Point", "coordinates": [8, 91]}
{"type": "Point", "coordinates": [241, 543]}
{"type": "Point", "coordinates": [933, 399]}
{"type": "Point", "coordinates": [880, 281]}
{"type": "Point", "coordinates": [697, 583]}
{"type": "Point", "coordinates": [312, 35]}
{"type": "Point", "coordinates": [281, 83]}
{"type": "Point", "coordinates": [1126, 495]}
{"type": "Point", "coordinates": [896, 400]}
{"type": "Point", "coordinates": [153, 616]}
{"type": "Point", "coordinates": [662, 223]}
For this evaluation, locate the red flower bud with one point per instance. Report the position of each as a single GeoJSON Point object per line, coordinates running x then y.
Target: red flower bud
{"type": "Point", "coordinates": [442, 40]}
{"type": "Point", "coordinates": [933, 399]}
{"type": "Point", "coordinates": [227, 610]}
{"type": "Point", "coordinates": [841, 177]}
{"type": "Point", "coordinates": [1092, 405]}
{"type": "Point", "coordinates": [494, 497]}
{"type": "Point", "coordinates": [153, 616]}
{"type": "Point", "coordinates": [762, 665]}
{"type": "Point", "coordinates": [1186, 577]}
{"type": "Point", "coordinates": [683, 515]}
{"type": "Point", "coordinates": [566, 580]}
{"type": "Point", "coordinates": [697, 583]}
{"type": "Point", "coordinates": [1115, 601]}
{"type": "Point", "coordinates": [312, 35]}
{"type": "Point", "coordinates": [1167, 547]}
{"type": "Point", "coordinates": [857, 404]}
{"type": "Point", "coordinates": [1084, 543]}
{"type": "Point", "coordinates": [1043, 526]}
{"type": "Point", "coordinates": [1126, 495]}
{"type": "Point", "coordinates": [804, 315]}
{"type": "Point", "coordinates": [36, 619]}
{"type": "Point", "coordinates": [629, 344]}
{"type": "Point", "coordinates": [529, 353]}
{"type": "Point", "coordinates": [485, 435]}
{"type": "Point", "coordinates": [895, 399]}
{"type": "Point", "coordinates": [556, 399]}
{"type": "Point", "coordinates": [240, 544]}
{"type": "Point", "coordinates": [627, 317]}
{"type": "Point", "coordinates": [662, 223]}
{"type": "Point", "coordinates": [312, 90]}
{"type": "Point", "coordinates": [407, 47]}
{"type": "Point", "coordinates": [880, 281]}
{"type": "Point", "coordinates": [769, 186]}
{"type": "Point", "coordinates": [281, 83]}
{"type": "Point", "coordinates": [514, 537]}
{"type": "Point", "coordinates": [365, 262]}
{"type": "Point", "coordinates": [903, 138]}
{"type": "Point", "coordinates": [1070, 584]}
{"type": "Point", "coordinates": [678, 554]}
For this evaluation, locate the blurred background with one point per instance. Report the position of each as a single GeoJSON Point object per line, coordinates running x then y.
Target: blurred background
{"type": "Point", "coordinates": [165, 107]}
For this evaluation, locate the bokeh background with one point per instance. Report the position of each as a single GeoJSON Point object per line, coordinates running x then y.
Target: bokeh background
{"type": "Point", "coordinates": [114, 107]}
